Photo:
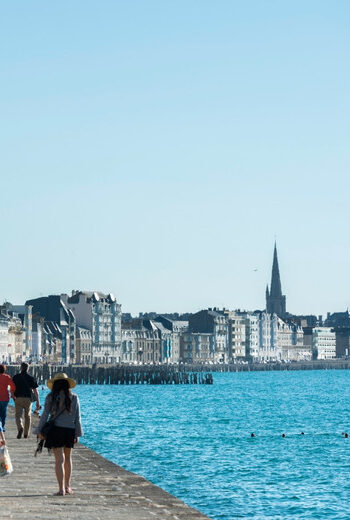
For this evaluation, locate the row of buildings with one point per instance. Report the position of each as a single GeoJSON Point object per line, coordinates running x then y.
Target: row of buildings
{"type": "Point", "coordinates": [88, 327]}
{"type": "Point", "coordinates": [82, 328]}
{"type": "Point", "coordinates": [223, 336]}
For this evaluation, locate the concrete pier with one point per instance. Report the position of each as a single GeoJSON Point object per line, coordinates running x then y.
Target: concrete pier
{"type": "Point", "coordinates": [102, 490]}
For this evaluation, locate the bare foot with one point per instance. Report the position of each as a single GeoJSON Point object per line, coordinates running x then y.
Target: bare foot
{"type": "Point", "coordinates": [60, 493]}
{"type": "Point", "coordinates": [69, 490]}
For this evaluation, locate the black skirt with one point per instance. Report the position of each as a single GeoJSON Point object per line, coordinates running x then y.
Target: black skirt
{"type": "Point", "coordinates": [59, 437]}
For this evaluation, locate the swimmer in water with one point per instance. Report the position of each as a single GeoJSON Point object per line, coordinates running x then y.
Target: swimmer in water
{"type": "Point", "coordinates": [346, 435]}
{"type": "Point", "coordinates": [252, 434]}
{"type": "Point", "coordinates": [302, 433]}
{"type": "Point", "coordinates": [283, 435]}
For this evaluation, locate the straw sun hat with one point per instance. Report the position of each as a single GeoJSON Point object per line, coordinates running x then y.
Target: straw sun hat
{"type": "Point", "coordinates": [61, 375]}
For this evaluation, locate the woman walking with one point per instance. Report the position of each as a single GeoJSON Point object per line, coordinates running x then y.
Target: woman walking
{"type": "Point", "coordinates": [61, 406]}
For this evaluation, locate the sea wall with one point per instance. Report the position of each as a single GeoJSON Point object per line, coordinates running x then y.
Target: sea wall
{"type": "Point", "coordinates": [102, 490]}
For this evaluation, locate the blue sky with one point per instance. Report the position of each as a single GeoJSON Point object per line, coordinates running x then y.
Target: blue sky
{"type": "Point", "coordinates": [156, 148]}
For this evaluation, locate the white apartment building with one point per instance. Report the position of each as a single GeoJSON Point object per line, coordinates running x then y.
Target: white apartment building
{"type": "Point", "coordinates": [101, 314]}
{"type": "Point", "coordinates": [237, 335]}
{"type": "Point", "coordinates": [252, 336]}
{"type": "Point", "coordinates": [279, 340]}
{"type": "Point", "coordinates": [323, 343]}
{"type": "Point", "coordinates": [4, 352]}
{"type": "Point", "coordinates": [269, 349]}
{"type": "Point", "coordinates": [244, 334]}
{"type": "Point", "coordinates": [11, 338]}
{"type": "Point", "coordinates": [36, 352]}
{"type": "Point", "coordinates": [15, 339]}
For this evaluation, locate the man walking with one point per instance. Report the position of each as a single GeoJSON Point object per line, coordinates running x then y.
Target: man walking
{"type": "Point", "coordinates": [26, 385]}
{"type": "Point", "coordinates": [6, 384]}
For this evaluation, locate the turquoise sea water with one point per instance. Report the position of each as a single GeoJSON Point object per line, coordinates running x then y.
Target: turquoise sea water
{"type": "Point", "coordinates": [194, 441]}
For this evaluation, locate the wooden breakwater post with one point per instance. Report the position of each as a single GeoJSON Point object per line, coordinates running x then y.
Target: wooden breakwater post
{"type": "Point", "coordinates": [179, 374]}
{"type": "Point", "coordinates": [120, 374]}
{"type": "Point", "coordinates": [255, 366]}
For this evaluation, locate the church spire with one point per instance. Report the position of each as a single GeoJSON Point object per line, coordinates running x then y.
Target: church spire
{"type": "Point", "coordinates": [276, 289]}
{"type": "Point", "coordinates": [275, 300]}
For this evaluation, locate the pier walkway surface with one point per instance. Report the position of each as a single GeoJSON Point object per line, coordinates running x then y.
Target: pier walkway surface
{"type": "Point", "coordinates": [102, 490]}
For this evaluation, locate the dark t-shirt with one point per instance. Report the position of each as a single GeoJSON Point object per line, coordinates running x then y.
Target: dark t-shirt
{"type": "Point", "coordinates": [24, 383]}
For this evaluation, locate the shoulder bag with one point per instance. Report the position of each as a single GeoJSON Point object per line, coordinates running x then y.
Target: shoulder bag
{"type": "Point", "coordinates": [47, 427]}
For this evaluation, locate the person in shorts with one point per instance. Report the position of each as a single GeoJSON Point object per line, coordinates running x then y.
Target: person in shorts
{"type": "Point", "coordinates": [64, 405]}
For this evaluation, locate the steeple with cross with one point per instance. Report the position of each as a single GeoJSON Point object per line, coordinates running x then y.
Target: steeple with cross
{"type": "Point", "coordinates": [275, 300]}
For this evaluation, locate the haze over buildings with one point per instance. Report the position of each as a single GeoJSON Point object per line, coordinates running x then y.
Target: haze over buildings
{"type": "Point", "coordinates": [89, 327]}
{"type": "Point", "coordinates": [155, 151]}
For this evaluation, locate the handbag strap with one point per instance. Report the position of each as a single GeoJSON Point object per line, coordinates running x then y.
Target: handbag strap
{"type": "Point", "coordinates": [56, 416]}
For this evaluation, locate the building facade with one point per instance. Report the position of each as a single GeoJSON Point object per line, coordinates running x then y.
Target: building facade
{"type": "Point", "coordinates": [141, 345]}
{"type": "Point", "coordinates": [16, 340]}
{"type": "Point", "coordinates": [268, 347]}
{"type": "Point", "coordinates": [213, 322]}
{"type": "Point", "coordinates": [51, 342]}
{"type": "Point", "coordinates": [84, 346]}
{"type": "Point", "coordinates": [237, 335]}
{"type": "Point", "coordinates": [101, 315]}
{"type": "Point", "coordinates": [342, 341]}
{"type": "Point", "coordinates": [37, 339]}
{"type": "Point", "coordinates": [252, 336]}
{"type": "Point", "coordinates": [4, 352]}
{"type": "Point", "coordinates": [53, 309]}
{"type": "Point", "coordinates": [197, 347]}
{"type": "Point", "coordinates": [171, 331]}
{"type": "Point", "coordinates": [323, 343]}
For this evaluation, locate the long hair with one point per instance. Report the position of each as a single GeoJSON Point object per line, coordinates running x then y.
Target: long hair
{"type": "Point", "coordinates": [58, 386]}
